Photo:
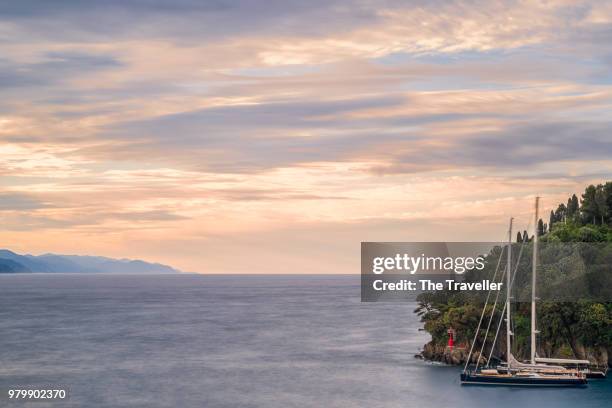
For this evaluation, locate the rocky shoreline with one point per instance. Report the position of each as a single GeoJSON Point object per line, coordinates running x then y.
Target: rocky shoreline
{"type": "Point", "coordinates": [458, 355]}
{"type": "Point", "coordinates": [444, 354]}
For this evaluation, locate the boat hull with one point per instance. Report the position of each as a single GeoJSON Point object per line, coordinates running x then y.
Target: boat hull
{"type": "Point", "coordinates": [471, 379]}
{"type": "Point", "coordinates": [596, 374]}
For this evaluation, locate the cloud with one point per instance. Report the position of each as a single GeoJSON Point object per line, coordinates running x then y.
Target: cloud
{"type": "Point", "coordinates": [514, 147]}
{"type": "Point", "coordinates": [413, 131]}
{"type": "Point", "coordinates": [182, 20]}
{"type": "Point", "coordinates": [54, 67]}
{"type": "Point", "coordinates": [128, 125]}
{"type": "Point", "coordinates": [246, 137]}
{"type": "Point", "coordinates": [19, 202]}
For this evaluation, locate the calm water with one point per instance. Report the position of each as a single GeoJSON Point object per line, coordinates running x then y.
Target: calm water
{"type": "Point", "coordinates": [209, 341]}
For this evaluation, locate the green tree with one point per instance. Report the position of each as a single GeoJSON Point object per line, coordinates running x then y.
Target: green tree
{"type": "Point", "coordinates": [607, 189]}
{"type": "Point", "coordinates": [601, 204]}
{"type": "Point", "coordinates": [588, 208]}
{"type": "Point", "coordinates": [594, 324]}
{"type": "Point", "coordinates": [541, 228]}
{"type": "Point", "coordinates": [552, 219]}
{"type": "Point", "coordinates": [560, 213]}
{"type": "Point", "coordinates": [572, 206]}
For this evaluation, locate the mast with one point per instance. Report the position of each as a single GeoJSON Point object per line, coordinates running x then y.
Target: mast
{"type": "Point", "coordinates": [534, 268]}
{"type": "Point", "coordinates": [508, 280]}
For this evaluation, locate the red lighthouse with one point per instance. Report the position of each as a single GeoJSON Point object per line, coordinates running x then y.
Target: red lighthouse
{"type": "Point", "coordinates": [451, 337]}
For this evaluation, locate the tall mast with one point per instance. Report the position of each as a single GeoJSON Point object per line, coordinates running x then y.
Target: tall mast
{"type": "Point", "coordinates": [534, 267]}
{"type": "Point", "coordinates": [508, 280]}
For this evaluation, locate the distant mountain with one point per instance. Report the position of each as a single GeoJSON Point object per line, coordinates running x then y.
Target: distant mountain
{"type": "Point", "coordinates": [10, 262]}
{"type": "Point", "coordinates": [9, 266]}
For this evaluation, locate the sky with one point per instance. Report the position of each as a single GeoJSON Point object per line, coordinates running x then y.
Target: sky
{"type": "Point", "coordinates": [274, 136]}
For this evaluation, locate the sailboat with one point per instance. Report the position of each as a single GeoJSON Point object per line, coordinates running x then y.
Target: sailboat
{"type": "Point", "coordinates": [514, 372]}
{"type": "Point", "coordinates": [542, 364]}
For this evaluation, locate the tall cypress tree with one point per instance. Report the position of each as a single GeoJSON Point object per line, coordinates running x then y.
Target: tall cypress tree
{"type": "Point", "coordinates": [572, 206]}
{"type": "Point", "coordinates": [541, 228]}
{"type": "Point", "coordinates": [552, 219]}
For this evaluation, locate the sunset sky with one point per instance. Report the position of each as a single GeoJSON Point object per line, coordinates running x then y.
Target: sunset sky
{"type": "Point", "coordinates": [275, 136]}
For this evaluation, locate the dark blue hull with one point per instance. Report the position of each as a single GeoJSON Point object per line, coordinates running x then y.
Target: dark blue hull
{"type": "Point", "coordinates": [543, 381]}
{"type": "Point", "coordinates": [596, 374]}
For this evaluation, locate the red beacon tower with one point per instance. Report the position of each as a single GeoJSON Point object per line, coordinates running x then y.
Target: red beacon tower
{"type": "Point", "coordinates": [451, 337]}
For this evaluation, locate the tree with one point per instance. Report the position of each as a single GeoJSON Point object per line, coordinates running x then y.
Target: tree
{"type": "Point", "coordinates": [551, 219]}
{"type": "Point", "coordinates": [588, 208]}
{"type": "Point", "coordinates": [519, 237]}
{"type": "Point", "coordinates": [601, 204]}
{"type": "Point", "coordinates": [572, 206]}
{"type": "Point", "coordinates": [541, 228]}
{"type": "Point", "coordinates": [575, 204]}
{"type": "Point", "coordinates": [607, 189]}
{"type": "Point", "coordinates": [556, 216]}
{"type": "Point", "coordinates": [560, 214]}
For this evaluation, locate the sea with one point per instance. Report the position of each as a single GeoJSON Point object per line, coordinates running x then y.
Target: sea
{"type": "Point", "coordinates": [219, 341]}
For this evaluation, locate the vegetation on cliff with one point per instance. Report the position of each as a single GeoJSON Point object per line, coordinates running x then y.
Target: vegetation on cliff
{"type": "Point", "coordinates": [580, 328]}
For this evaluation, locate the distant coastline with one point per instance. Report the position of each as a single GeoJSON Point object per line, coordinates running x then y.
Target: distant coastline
{"type": "Point", "coordinates": [11, 262]}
